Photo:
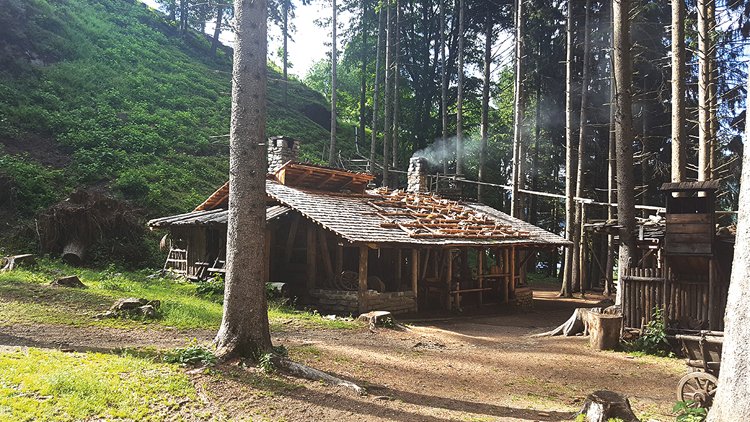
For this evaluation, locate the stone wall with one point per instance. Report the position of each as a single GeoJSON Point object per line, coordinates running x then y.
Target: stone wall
{"type": "Point", "coordinates": [416, 178]}
{"type": "Point", "coordinates": [347, 302]}
{"type": "Point", "coordinates": [281, 149]}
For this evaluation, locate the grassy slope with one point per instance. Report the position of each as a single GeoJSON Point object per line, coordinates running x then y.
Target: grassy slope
{"type": "Point", "coordinates": [105, 93]}
{"type": "Point", "coordinates": [26, 297]}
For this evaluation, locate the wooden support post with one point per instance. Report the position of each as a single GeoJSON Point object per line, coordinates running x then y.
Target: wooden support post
{"type": "Point", "coordinates": [267, 257]}
{"type": "Point", "coordinates": [508, 271]}
{"type": "Point", "coordinates": [480, 274]}
{"type": "Point", "coordinates": [713, 322]}
{"type": "Point", "coordinates": [415, 277]}
{"type": "Point", "coordinates": [339, 260]}
{"type": "Point", "coordinates": [512, 285]}
{"type": "Point", "coordinates": [326, 256]}
{"type": "Point", "coordinates": [364, 253]}
{"type": "Point", "coordinates": [312, 269]}
{"type": "Point", "coordinates": [426, 263]}
{"type": "Point", "coordinates": [448, 278]}
{"type": "Point", "coordinates": [399, 269]}
{"type": "Point", "coordinates": [293, 228]}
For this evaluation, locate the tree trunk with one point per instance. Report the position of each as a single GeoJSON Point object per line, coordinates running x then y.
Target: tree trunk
{"type": "Point", "coordinates": [488, 26]}
{"type": "Point", "coordinates": [611, 163]}
{"type": "Point", "coordinates": [173, 10]}
{"type": "Point", "coordinates": [183, 16]}
{"type": "Point", "coordinates": [730, 403]}
{"type": "Point", "coordinates": [217, 33]}
{"type": "Point", "coordinates": [624, 136]}
{"type": "Point", "coordinates": [363, 76]}
{"type": "Point", "coordinates": [443, 89]}
{"type": "Point", "coordinates": [334, 94]}
{"type": "Point", "coordinates": [285, 47]}
{"type": "Point", "coordinates": [713, 122]}
{"type": "Point", "coordinates": [376, 89]}
{"type": "Point", "coordinates": [388, 103]}
{"type": "Point", "coordinates": [460, 91]}
{"type": "Point", "coordinates": [704, 80]}
{"type": "Point", "coordinates": [244, 327]}
{"type": "Point", "coordinates": [678, 91]}
{"type": "Point", "coordinates": [396, 53]}
{"type": "Point", "coordinates": [570, 183]}
{"type": "Point", "coordinates": [515, 208]}
{"type": "Point", "coordinates": [577, 267]}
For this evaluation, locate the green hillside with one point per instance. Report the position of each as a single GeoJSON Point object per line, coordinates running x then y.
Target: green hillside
{"type": "Point", "coordinates": [106, 94]}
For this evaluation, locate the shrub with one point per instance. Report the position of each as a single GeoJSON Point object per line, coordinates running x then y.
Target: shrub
{"type": "Point", "coordinates": [686, 412]}
{"type": "Point", "coordinates": [653, 339]}
{"type": "Point", "coordinates": [193, 354]}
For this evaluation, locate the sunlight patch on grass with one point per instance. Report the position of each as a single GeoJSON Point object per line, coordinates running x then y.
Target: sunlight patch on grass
{"type": "Point", "coordinates": [51, 385]}
{"type": "Point", "coordinates": [25, 297]}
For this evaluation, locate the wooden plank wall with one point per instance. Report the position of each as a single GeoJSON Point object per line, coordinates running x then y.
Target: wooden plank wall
{"type": "Point", "coordinates": [647, 288]}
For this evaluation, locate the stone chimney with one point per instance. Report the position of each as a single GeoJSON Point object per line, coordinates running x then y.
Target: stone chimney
{"type": "Point", "coordinates": [416, 178]}
{"type": "Point", "coordinates": [281, 149]}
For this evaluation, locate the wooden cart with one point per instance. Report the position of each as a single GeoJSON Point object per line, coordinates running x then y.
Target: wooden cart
{"type": "Point", "coordinates": [702, 350]}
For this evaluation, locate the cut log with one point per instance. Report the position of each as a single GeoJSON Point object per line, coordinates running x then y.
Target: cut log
{"type": "Point", "coordinates": [375, 318]}
{"type": "Point", "coordinates": [578, 323]}
{"type": "Point", "coordinates": [604, 330]}
{"type": "Point", "coordinates": [603, 405]}
{"type": "Point", "coordinates": [11, 262]}
{"type": "Point", "coordinates": [73, 252]}
{"type": "Point", "coordinates": [69, 281]}
{"type": "Point", "coordinates": [303, 371]}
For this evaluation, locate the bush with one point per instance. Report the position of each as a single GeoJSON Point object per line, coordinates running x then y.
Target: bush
{"type": "Point", "coordinates": [653, 339]}
{"type": "Point", "coordinates": [193, 354]}
{"type": "Point", "coordinates": [686, 412]}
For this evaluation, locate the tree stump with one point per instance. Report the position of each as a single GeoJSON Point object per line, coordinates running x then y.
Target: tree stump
{"type": "Point", "coordinates": [69, 281]}
{"type": "Point", "coordinates": [604, 330]}
{"type": "Point", "coordinates": [73, 253]}
{"type": "Point", "coordinates": [602, 405]}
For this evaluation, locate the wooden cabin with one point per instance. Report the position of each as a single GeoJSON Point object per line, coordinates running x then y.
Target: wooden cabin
{"type": "Point", "coordinates": [346, 249]}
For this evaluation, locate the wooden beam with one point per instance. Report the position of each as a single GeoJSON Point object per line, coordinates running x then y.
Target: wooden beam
{"type": "Point", "coordinates": [448, 278]}
{"type": "Point", "coordinates": [480, 273]}
{"type": "Point", "coordinates": [399, 268]}
{"type": "Point", "coordinates": [267, 257]}
{"type": "Point", "coordinates": [415, 276]}
{"type": "Point", "coordinates": [311, 258]}
{"type": "Point", "coordinates": [363, 256]}
{"type": "Point", "coordinates": [325, 255]}
{"type": "Point", "coordinates": [339, 260]}
{"type": "Point", "coordinates": [293, 228]}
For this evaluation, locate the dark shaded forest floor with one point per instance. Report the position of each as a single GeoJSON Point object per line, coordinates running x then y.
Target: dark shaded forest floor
{"type": "Point", "coordinates": [462, 368]}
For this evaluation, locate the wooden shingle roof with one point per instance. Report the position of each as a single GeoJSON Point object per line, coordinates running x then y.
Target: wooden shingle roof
{"type": "Point", "coordinates": [210, 217]}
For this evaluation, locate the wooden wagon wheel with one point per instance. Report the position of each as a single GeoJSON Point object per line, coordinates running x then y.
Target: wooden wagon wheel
{"type": "Point", "coordinates": [347, 280]}
{"type": "Point", "coordinates": [698, 388]}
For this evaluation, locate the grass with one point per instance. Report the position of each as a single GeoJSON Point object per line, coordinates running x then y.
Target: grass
{"type": "Point", "coordinates": [26, 297]}
{"type": "Point", "coordinates": [52, 385]}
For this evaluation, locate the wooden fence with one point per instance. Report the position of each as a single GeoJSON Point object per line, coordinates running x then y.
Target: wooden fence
{"type": "Point", "coordinates": [647, 288]}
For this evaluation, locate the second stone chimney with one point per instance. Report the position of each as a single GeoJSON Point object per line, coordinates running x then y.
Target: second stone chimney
{"type": "Point", "coordinates": [416, 178]}
{"type": "Point", "coordinates": [281, 149]}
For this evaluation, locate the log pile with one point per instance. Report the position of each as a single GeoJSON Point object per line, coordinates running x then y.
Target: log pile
{"type": "Point", "coordinates": [428, 216]}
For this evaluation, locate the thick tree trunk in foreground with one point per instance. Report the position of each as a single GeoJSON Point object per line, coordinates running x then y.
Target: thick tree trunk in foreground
{"type": "Point", "coordinates": [217, 33]}
{"type": "Point", "coordinates": [485, 101]}
{"type": "Point", "coordinates": [244, 327]}
{"type": "Point", "coordinates": [334, 94]}
{"type": "Point", "coordinates": [731, 403]}
{"type": "Point", "coordinates": [678, 91]}
{"type": "Point", "coordinates": [460, 91]}
{"type": "Point", "coordinates": [518, 100]}
{"type": "Point", "coordinates": [376, 89]}
{"type": "Point", "coordinates": [624, 136]}
{"type": "Point", "coordinates": [570, 182]}
{"type": "Point", "coordinates": [578, 264]}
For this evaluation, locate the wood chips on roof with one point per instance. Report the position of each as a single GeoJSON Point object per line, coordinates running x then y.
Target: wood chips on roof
{"type": "Point", "coordinates": [427, 216]}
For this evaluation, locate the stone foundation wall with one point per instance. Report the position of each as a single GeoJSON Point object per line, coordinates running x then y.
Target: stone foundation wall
{"type": "Point", "coordinates": [346, 302]}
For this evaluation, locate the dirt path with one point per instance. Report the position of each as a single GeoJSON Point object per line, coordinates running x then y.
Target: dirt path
{"type": "Point", "coordinates": [463, 368]}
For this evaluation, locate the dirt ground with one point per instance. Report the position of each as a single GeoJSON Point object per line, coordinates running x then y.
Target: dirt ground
{"type": "Point", "coordinates": [472, 368]}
